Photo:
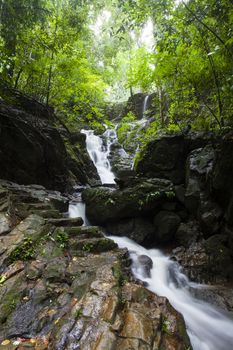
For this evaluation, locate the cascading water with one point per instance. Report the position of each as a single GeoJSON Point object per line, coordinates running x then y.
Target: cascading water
{"type": "Point", "coordinates": [145, 102]}
{"type": "Point", "coordinates": [99, 154]}
{"type": "Point", "coordinates": [208, 327]}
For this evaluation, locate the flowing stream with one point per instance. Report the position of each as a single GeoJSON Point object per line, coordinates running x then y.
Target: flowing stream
{"type": "Point", "coordinates": [208, 327]}
{"type": "Point", "coordinates": [99, 154]}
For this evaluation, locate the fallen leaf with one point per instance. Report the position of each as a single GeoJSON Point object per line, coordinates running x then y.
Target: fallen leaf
{"type": "Point", "coordinates": [57, 320]}
{"type": "Point", "coordinates": [51, 312]}
{"type": "Point", "coordinates": [6, 342]}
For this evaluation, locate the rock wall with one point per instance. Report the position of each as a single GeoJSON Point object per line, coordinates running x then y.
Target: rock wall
{"type": "Point", "coordinates": [33, 151]}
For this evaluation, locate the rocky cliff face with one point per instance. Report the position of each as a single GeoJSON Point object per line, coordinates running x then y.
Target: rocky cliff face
{"type": "Point", "coordinates": [33, 151]}
{"type": "Point", "coordinates": [64, 286]}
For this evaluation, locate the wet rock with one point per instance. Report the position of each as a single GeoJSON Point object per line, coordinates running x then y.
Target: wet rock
{"type": "Point", "coordinates": [39, 157]}
{"type": "Point", "coordinates": [165, 225]}
{"type": "Point", "coordinates": [135, 105]}
{"type": "Point", "coordinates": [4, 223]}
{"type": "Point", "coordinates": [220, 256]}
{"type": "Point", "coordinates": [199, 166]}
{"type": "Point", "coordinates": [52, 273]}
{"type": "Point", "coordinates": [105, 204]}
{"type": "Point", "coordinates": [20, 241]}
{"type": "Point", "coordinates": [207, 261]}
{"type": "Point", "coordinates": [187, 233]}
{"type": "Point", "coordinates": [120, 160]}
{"type": "Point", "coordinates": [180, 193]}
{"type": "Point", "coordinates": [33, 151]}
{"type": "Point", "coordinates": [138, 229]}
{"type": "Point", "coordinates": [210, 217]}
{"type": "Point", "coordinates": [195, 262]}
{"type": "Point", "coordinates": [33, 198]}
{"type": "Point", "coordinates": [222, 177]}
{"type": "Point", "coordinates": [219, 296]}
{"type": "Point", "coordinates": [94, 245]}
{"type": "Point", "coordinates": [164, 158]}
{"type": "Point", "coordinates": [70, 222]}
{"type": "Point", "coordinates": [146, 264]}
{"type": "Point", "coordinates": [84, 232]}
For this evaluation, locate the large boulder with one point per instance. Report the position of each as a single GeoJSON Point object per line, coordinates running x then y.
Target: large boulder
{"type": "Point", "coordinates": [165, 224]}
{"type": "Point", "coordinates": [187, 233]}
{"type": "Point", "coordinates": [164, 158]}
{"type": "Point", "coordinates": [33, 152]}
{"type": "Point", "coordinates": [30, 153]}
{"type": "Point", "coordinates": [135, 104]}
{"type": "Point", "coordinates": [143, 197]}
{"type": "Point", "coordinates": [198, 169]}
{"type": "Point", "coordinates": [139, 229]}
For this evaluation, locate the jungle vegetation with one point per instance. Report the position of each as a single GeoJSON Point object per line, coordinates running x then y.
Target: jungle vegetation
{"type": "Point", "coordinates": [79, 55]}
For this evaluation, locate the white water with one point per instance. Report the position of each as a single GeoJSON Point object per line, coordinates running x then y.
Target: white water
{"type": "Point", "coordinates": [78, 210]}
{"type": "Point", "coordinates": [99, 154]}
{"type": "Point", "coordinates": [144, 105]}
{"type": "Point", "coordinates": [208, 327]}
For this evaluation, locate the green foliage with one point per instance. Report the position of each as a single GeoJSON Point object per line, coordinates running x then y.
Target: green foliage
{"type": "Point", "coordinates": [127, 130]}
{"type": "Point", "coordinates": [78, 314]}
{"type": "Point", "coordinates": [165, 326]}
{"type": "Point", "coordinates": [25, 251]}
{"type": "Point", "coordinates": [118, 273]}
{"type": "Point", "coordinates": [78, 55]}
{"type": "Point", "coordinates": [62, 238]}
{"type": "Point", "coordinates": [87, 247]}
{"type": "Point", "coordinates": [170, 194]}
{"type": "Point", "coordinates": [2, 279]}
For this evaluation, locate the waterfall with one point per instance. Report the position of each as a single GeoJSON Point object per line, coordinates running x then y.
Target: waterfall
{"type": "Point", "coordinates": [145, 105]}
{"type": "Point", "coordinates": [99, 154]}
{"type": "Point", "coordinates": [208, 327]}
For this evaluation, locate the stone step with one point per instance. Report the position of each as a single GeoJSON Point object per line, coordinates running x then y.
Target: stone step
{"type": "Point", "coordinates": [66, 222]}
{"type": "Point", "coordinates": [84, 231]}
{"type": "Point", "coordinates": [52, 214]}
{"type": "Point", "coordinates": [94, 245]}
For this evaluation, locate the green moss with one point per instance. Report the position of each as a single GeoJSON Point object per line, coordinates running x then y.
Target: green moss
{"type": "Point", "coordinates": [106, 244]}
{"type": "Point", "coordinates": [183, 332]}
{"type": "Point", "coordinates": [141, 294]}
{"type": "Point", "coordinates": [2, 279]}
{"type": "Point", "coordinates": [78, 314]}
{"type": "Point", "coordinates": [165, 325]}
{"type": "Point", "coordinates": [137, 159]}
{"type": "Point", "coordinates": [25, 251]}
{"type": "Point", "coordinates": [8, 304]}
{"type": "Point", "coordinates": [118, 274]}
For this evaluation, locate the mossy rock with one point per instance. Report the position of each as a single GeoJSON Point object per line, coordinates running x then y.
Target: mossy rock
{"type": "Point", "coordinates": [106, 204]}
{"type": "Point", "coordinates": [94, 245]}
{"type": "Point", "coordinates": [84, 231]}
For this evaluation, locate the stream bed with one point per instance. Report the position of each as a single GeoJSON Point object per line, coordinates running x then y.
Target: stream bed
{"type": "Point", "coordinates": [209, 328]}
